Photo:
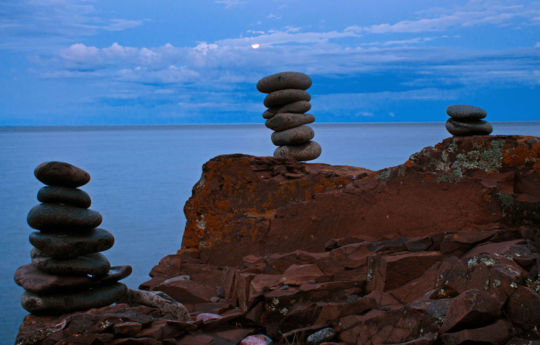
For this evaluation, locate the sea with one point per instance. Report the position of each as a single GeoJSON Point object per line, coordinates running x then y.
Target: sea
{"type": "Point", "coordinates": [141, 177]}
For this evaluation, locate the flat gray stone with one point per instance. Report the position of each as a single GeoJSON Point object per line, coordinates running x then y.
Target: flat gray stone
{"type": "Point", "coordinates": [283, 121]}
{"type": "Point", "coordinates": [64, 195]}
{"type": "Point", "coordinates": [66, 302]}
{"type": "Point", "coordinates": [54, 217]}
{"type": "Point", "coordinates": [65, 246]}
{"type": "Point", "coordinates": [282, 97]}
{"type": "Point", "coordinates": [34, 280]}
{"type": "Point", "coordinates": [468, 128]}
{"type": "Point", "coordinates": [61, 174]}
{"type": "Point", "coordinates": [293, 136]}
{"type": "Point", "coordinates": [462, 111]}
{"type": "Point", "coordinates": [284, 80]}
{"type": "Point", "coordinates": [94, 264]}
{"type": "Point", "coordinates": [304, 152]}
{"type": "Point", "coordinates": [299, 107]}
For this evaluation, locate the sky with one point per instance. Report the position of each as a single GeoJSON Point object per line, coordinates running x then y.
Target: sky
{"type": "Point", "coordinates": [122, 62]}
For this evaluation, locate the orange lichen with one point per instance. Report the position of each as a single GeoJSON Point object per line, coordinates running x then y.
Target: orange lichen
{"type": "Point", "coordinates": [521, 154]}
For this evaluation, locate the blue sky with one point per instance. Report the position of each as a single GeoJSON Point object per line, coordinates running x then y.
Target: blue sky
{"type": "Point", "coordinates": [93, 62]}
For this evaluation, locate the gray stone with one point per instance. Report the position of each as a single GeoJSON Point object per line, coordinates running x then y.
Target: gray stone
{"type": "Point", "coordinates": [286, 96]}
{"type": "Point", "coordinates": [293, 136]}
{"type": "Point", "coordinates": [94, 264]}
{"type": "Point", "coordinates": [67, 302]}
{"type": "Point", "coordinates": [34, 280]}
{"type": "Point", "coordinates": [305, 152]}
{"type": "Point", "coordinates": [462, 111]}
{"type": "Point", "coordinates": [168, 307]}
{"type": "Point", "coordinates": [299, 107]}
{"type": "Point", "coordinates": [321, 336]}
{"type": "Point", "coordinates": [59, 218]}
{"type": "Point", "coordinates": [284, 80]}
{"type": "Point", "coordinates": [283, 121]}
{"type": "Point", "coordinates": [61, 174]}
{"type": "Point", "coordinates": [65, 246]}
{"type": "Point", "coordinates": [64, 195]}
{"type": "Point", "coordinates": [467, 128]}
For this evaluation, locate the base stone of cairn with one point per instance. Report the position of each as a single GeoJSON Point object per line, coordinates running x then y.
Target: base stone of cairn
{"type": "Point", "coordinates": [67, 272]}
{"type": "Point", "coordinates": [466, 120]}
{"type": "Point", "coordinates": [287, 102]}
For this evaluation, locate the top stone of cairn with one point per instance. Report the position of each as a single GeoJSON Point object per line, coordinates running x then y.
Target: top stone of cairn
{"type": "Point", "coordinates": [284, 80]}
{"type": "Point", "coordinates": [61, 174]}
{"type": "Point", "coordinates": [465, 112]}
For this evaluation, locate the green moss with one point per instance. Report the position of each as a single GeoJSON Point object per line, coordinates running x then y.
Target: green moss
{"type": "Point", "coordinates": [383, 174]}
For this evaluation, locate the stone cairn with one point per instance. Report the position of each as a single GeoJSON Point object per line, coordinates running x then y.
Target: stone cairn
{"type": "Point", "coordinates": [287, 102]}
{"type": "Point", "coordinates": [466, 120]}
{"type": "Point", "coordinates": [67, 272]}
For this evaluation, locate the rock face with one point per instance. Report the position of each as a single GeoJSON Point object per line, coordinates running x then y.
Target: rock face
{"type": "Point", "coordinates": [67, 272]}
{"type": "Point", "coordinates": [277, 205]}
{"type": "Point", "coordinates": [287, 102]}
{"type": "Point", "coordinates": [444, 249]}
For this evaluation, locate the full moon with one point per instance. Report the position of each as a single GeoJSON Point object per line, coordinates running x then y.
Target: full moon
{"type": "Point", "coordinates": [255, 45]}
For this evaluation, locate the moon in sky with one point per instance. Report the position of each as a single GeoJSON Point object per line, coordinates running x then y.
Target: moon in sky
{"type": "Point", "coordinates": [255, 45]}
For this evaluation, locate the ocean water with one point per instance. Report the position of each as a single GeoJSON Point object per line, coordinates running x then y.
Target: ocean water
{"type": "Point", "coordinates": [142, 176]}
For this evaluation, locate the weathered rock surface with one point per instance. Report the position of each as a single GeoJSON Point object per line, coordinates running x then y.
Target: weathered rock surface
{"type": "Point", "coordinates": [273, 205]}
{"type": "Point", "coordinates": [294, 136]}
{"type": "Point", "coordinates": [463, 111]}
{"type": "Point", "coordinates": [263, 258]}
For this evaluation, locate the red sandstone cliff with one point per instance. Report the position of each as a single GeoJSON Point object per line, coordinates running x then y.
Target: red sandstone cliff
{"type": "Point", "coordinates": [443, 249]}
{"type": "Point", "coordinates": [273, 205]}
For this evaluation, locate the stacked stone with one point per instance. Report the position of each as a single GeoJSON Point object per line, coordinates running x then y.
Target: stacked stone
{"type": "Point", "coordinates": [67, 272]}
{"type": "Point", "coordinates": [287, 103]}
{"type": "Point", "coordinates": [466, 120]}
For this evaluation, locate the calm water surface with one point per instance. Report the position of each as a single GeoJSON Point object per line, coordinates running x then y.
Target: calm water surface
{"type": "Point", "coordinates": [142, 176]}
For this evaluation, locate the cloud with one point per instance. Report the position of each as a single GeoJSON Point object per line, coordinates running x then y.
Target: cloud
{"type": "Point", "coordinates": [33, 24]}
{"type": "Point", "coordinates": [472, 14]}
{"type": "Point", "coordinates": [231, 3]}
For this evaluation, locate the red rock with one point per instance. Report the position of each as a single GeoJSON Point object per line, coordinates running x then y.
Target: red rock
{"type": "Point", "coordinates": [496, 333]}
{"type": "Point", "coordinates": [427, 339]}
{"type": "Point", "coordinates": [301, 274]}
{"type": "Point", "coordinates": [200, 339]}
{"type": "Point", "coordinates": [463, 240]}
{"type": "Point", "coordinates": [234, 335]}
{"type": "Point", "coordinates": [186, 291]}
{"type": "Point", "coordinates": [391, 271]}
{"type": "Point", "coordinates": [127, 329]}
{"type": "Point", "coordinates": [162, 329]}
{"type": "Point", "coordinates": [471, 309]}
{"type": "Point", "coordinates": [521, 341]}
{"type": "Point", "coordinates": [524, 309]}
{"type": "Point", "coordinates": [135, 341]}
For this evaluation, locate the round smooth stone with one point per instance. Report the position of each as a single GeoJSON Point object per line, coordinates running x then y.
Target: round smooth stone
{"type": "Point", "coordinates": [281, 97]}
{"type": "Point", "coordinates": [64, 195]}
{"type": "Point", "coordinates": [66, 302]}
{"type": "Point", "coordinates": [462, 111]}
{"type": "Point", "coordinates": [61, 174]}
{"type": "Point", "coordinates": [304, 152]}
{"type": "Point", "coordinates": [284, 80]}
{"type": "Point", "coordinates": [467, 128]}
{"type": "Point", "coordinates": [34, 280]}
{"type": "Point", "coordinates": [95, 264]}
{"type": "Point", "coordinates": [65, 246]}
{"type": "Point", "coordinates": [299, 107]}
{"type": "Point", "coordinates": [53, 217]}
{"type": "Point", "coordinates": [293, 136]}
{"type": "Point", "coordinates": [283, 121]}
